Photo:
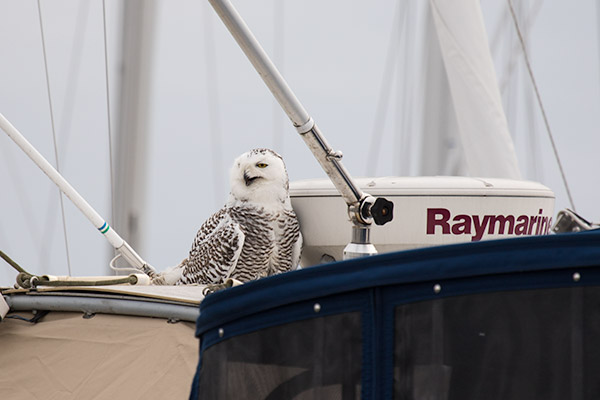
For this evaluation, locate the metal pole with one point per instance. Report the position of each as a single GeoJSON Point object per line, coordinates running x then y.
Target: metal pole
{"type": "Point", "coordinates": [327, 157]}
{"type": "Point", "coordinates": [113, 238]}
{"type": "Point", "coordinates": [261, 62]}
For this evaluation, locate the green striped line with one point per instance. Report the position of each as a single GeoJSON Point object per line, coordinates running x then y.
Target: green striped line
{"type": "Point", "coordinates": [104, 228]}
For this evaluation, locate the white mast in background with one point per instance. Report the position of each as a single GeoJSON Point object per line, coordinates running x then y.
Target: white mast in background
{"type": "Point", "coordinates": [131, 136]}
{"type": "Point", "coordinates": [487, 145]}
{"type": "Point", "coordinates": [441, 148]}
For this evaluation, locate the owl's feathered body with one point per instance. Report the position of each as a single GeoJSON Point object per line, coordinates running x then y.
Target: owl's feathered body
{"type": "Point", "coordinates": [256, 234]}
{"type": "Point", "coordinates": [252, 243]}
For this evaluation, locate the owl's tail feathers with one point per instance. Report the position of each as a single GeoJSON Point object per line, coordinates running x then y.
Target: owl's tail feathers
{"type": "Point", "coordinates": [171, 275]}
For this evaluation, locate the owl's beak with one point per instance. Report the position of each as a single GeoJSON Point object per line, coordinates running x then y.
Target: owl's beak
{"type": "Point", "coordinates": [248, 179]}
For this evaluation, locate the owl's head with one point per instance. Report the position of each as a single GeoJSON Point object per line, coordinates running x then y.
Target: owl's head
{"type": "Point", "coordinates": [259, 176]}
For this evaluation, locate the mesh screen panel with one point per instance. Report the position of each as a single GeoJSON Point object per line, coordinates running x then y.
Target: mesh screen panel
{"type": "Point", "coordinates": [318, 358]}
{"type": "Point", "coordinates": [533, 344]}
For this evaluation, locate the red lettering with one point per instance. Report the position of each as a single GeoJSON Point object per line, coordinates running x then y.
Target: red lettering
{"type": "Point", "coordinates": [438, 217]}
{"type": "Point", "coordinates": [540, 222]}
{"type": "Point", "coordinates": [542, 226]}
{"type": "Point", "coordinates": [522, 223]}
{"type": "Point", "coordinates": [502, 221]}
{"type": "Point", "coordinates": [461, 228]}
{"type": "Point", "coordinates": [479, 227]}
{"type": "Point", "coordinates": [532, 222]}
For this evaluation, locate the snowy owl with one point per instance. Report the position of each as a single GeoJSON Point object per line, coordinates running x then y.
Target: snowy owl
{"type": "Point", "coordinates": [256, 234]}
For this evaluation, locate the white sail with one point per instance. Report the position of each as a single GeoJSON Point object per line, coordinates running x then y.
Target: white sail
{"type": "Point", "coordinates": [441, 148]}
{"type": "Point", "coordinates": [487, 146]}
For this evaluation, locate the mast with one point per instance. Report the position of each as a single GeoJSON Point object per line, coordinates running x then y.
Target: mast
{"type": "Point", "coordinates": [131, 164]}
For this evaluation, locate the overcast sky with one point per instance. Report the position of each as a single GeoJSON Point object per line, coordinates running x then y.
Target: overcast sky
{"type": "Point", "coordinates": [333, 54]}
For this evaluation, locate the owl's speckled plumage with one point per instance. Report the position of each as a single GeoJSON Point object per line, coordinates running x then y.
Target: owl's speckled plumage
{"type": "Point", "coordinates": [256, 234]}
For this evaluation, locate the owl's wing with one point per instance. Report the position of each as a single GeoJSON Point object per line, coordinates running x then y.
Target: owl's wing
{"type": "Point", "coordinates": [215, 251]}
{"type": "Point", "coordinates": [290, 243]}
{"type": "Point", "coordinates": [297, 251]}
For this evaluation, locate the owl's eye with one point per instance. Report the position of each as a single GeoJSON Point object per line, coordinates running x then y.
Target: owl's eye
{"type": "Point", "coordinates": [261, 165]}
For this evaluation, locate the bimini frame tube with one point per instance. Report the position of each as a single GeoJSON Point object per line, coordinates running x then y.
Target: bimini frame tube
{"type": "Point", "coordinates": [329, 160]}
{"type": "Point", "coordinates": [113, 238]}
{"type": "Point", "coordinates": [359, 203]}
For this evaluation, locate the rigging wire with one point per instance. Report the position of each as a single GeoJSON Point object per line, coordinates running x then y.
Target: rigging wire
{"type": "Point", "coordinates": [535, 161]}
{"type": "Point", "coordinates": [539, 100]}
{"type": "Point", "coordinates": [23, 200]}
{"type": "Point", "coordinates": [405, 88]}
{"type": "Point", "coordinates": [509, 88]}
{"type": "Point", "coordinates": [62, 206]}
{"type": "Point", "coordinates": [279, 58]}
{"type": "Point", "coordinates": [66, 120]}
{"type": "Point", "coordinates": [529, 21]}
{"type": "Point", "coordinates": [509, 82]}
{"type": "Point", "coordinates": [598, 28]}
{"type": "Point", "coordinates": [109, 120]}
{"type": "Point", "coordinates": [214, 112]}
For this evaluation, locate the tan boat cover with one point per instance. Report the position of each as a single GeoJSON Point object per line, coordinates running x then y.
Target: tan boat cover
{"type": "Point", "coordinates": [111, 357]}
